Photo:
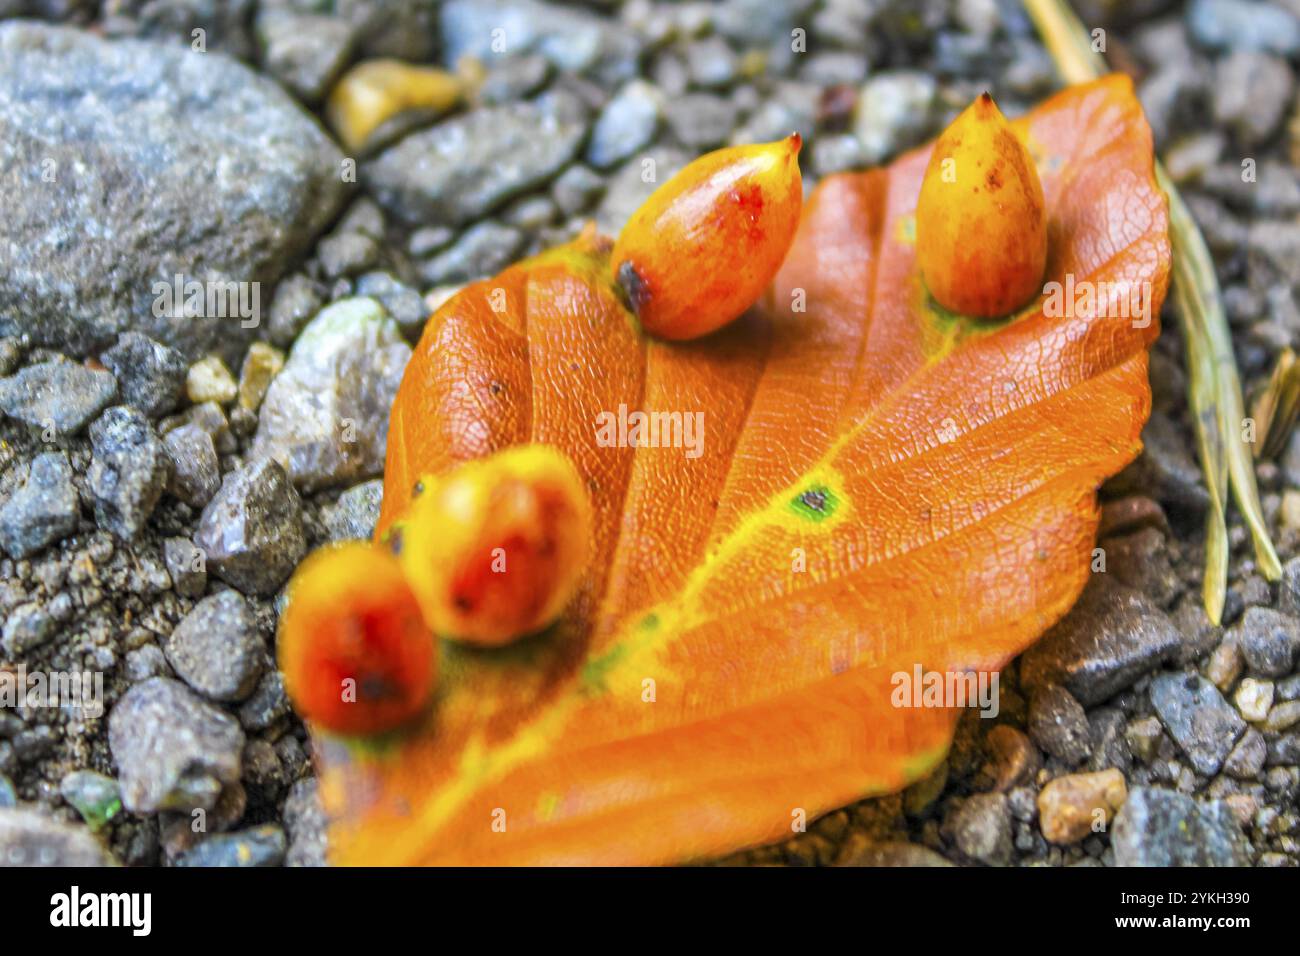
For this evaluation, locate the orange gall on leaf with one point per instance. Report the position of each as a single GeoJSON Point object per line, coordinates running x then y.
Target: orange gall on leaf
{"type": "Point", "coordinates": [981, 222]}
{"type": "Point", "coordinates": [356, 654]}
{"type": "Point", "coordinates": [704, 246]}
{"type": "Point", "coordinates": [496, 548]}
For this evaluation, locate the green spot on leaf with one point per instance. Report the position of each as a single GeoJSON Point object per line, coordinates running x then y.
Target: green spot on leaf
{"type": "Point", "coordinates": [815, 504]}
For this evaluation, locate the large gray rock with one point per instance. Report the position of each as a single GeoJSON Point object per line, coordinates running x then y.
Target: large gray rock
{"type": "Point", "coordinates": [1164, 828]}
{"type": "Point", "coordinates": [464, 167]}
{"type": "Point", "coordinates": [126, 163]}
{"type": "Point", "coordinates": [173, 750]}
{"type": "Point", "coordinates": [325, 416]}
{"type": "Point", "coordinates": [1111, 638]}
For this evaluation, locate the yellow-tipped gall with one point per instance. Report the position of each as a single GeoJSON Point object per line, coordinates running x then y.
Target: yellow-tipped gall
{"type": "Point", "coordinates": [981, 223]}
{"type": "Point", "coordinates": [356, 654]}
{"type": "Point", "coordinates": [704, 246]}
{"type": "Point", "coordinates": [495, 548]}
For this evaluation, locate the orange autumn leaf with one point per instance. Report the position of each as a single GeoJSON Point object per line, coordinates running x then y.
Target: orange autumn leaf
{"type": "Point", "coordinates": [881, 486]}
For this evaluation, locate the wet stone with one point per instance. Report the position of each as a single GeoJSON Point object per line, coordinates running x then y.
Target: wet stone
{"type": "Point", "coordinates": [514, 78]}
{"type": "Point", "coordinates": [1012, 760]}
{"type": "Point", "coordinates": [1109, 746]}
{"type": "Point", "coordinates": [1071, 808]}
{"type": "Point", "coordinates": [571, 39]}
{"type": "Point", "coordinates": [196, 471]}
{"type": "Point", "coordinates": [94, 795]}
{"type": "Point", "coordinates": [894, 111]}
{"type": "Point", "coordinates": [26, 627]}
{"type": "Point", "coordinates": [356, 513]}
{"type": "Point", "coordinates": [1165, 468]}
{"type": "Point", "coordinates": [1059, 725]}
{"type": "Point", "coordinates": [258, 846]}
{"type": "Point", "coordinates": [1141, 561]}
{"type": "Point", "coordinates": [43, 510]}
{"type": "Point", "coordinates": [626, 124]}
{"type": "Point", "coordinates": [1243, 25]}
{"type": "Point", "coordinates": [30, 838]}
{"type": "Point", "coordinates": [211, 418]}
{"type": "Point", "coordinates": [267, 704]}
{"type": "Point", "coordinates": [479, 251]}
{"type": "Point", "coordinates": [88, 252]}
{"type": "Point", "coordinates": [217, 648]}
{"type": "Point", "coordinates": [347, 254]}
{"type": "Point", "coordinates": [575, 189]}
{"type": "Point", "coordinates": [1225, 663]}
{"type": "Point", "coordinates": [296, 300]}
{"type": "Point", "coordinates": [711, 63]}
{"type": "Point", "coordinates": [700, 121]}
{"type": "Point", "coordinates": [1111, 637]}
{"type": "Point", "coordinates": [980, 829]}
{"type": "Point", "coordinates": [209, 380]}
{"type": "Point", "coordinates": [464, 167]}
{"type": "Point", "coordinates": [402, 302]}
{"type": "Point", "coordinates": [145, 662]}
{"type": "Point", "coordinates": [304, 51]}
{"type": "Point", "coordinates": [1268, 640]}
{"type": "Point", "coordinates": [1201, 722]}
{"type": "Point", "coordinates": [1254, 698]}
{"type": "Point", "coordinates": [1251, 94]}
{"type": "Point", "coordinates": [150, 375]}
{"type": "Point", "coordinates": [57, 397]}
{"type": "Point", "coordinates": [251, 533]}
{"type": "Point", "coordinates": [860, 850]}
{"type": "Point", "coordinates": [186, 565]}
{"type": "Point", "coordinates": [128, 471]}
{"type": "Point", "coordinates": [305, 820]}
{"type": "Point", "coordinates": [325, 416]}
{"type": "Point", "coordinates": [1144, 736]}
{"type": "Point", "coordinates": [171, 748]}
{"type": "Point", "coordinates": [1162, 828]}
{"type": "Point", "coordinates": [1246, 759]}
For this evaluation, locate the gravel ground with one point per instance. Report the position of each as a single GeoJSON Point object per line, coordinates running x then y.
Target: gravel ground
{"type": "Point", "coordinates": [146, 528]}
